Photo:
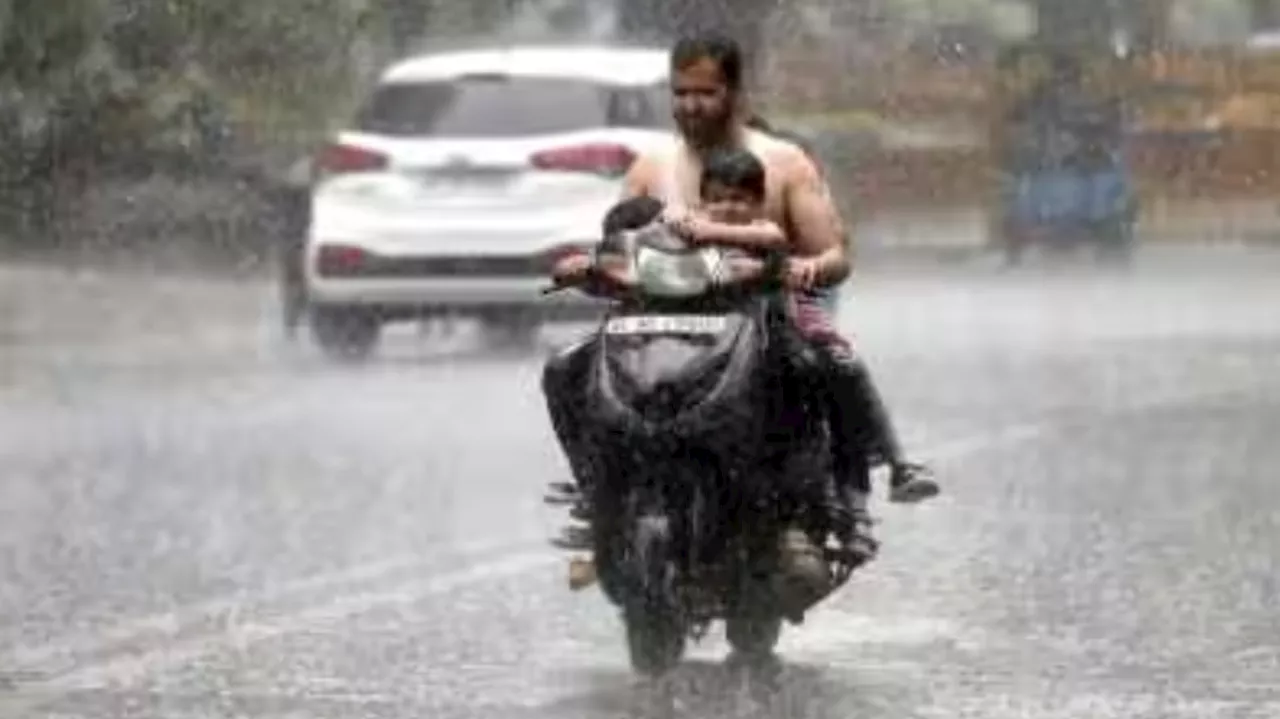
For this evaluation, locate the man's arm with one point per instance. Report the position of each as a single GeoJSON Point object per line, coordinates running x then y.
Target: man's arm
{"type": "Point", "coordinates": [818, 233]}
{"type": "Point", "coordinates": [638, 180]}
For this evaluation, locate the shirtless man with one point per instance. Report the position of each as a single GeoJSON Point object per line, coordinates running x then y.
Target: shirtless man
{"type": "Point", "coordinates": [709, 110]}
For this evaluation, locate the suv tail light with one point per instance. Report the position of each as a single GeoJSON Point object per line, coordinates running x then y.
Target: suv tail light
{"type": "Point", "coordinates": [340, 260]}
{"type": "Point", "coordinates": [600, 159]}
{"type": "Point", "coordinates": [339, 159]}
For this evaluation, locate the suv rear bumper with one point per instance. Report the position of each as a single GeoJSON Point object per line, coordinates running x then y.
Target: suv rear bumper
{"type": "Point", "coordinates": [451, 295]}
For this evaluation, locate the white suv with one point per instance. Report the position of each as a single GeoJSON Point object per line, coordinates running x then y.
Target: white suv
{"type": "Point", "coordinates": [461, 172]}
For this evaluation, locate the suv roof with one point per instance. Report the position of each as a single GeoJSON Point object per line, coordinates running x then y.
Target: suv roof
{"type": "Point", "coordinates": [611, 65]}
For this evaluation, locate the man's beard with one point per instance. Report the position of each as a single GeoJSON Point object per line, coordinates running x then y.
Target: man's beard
{"type": "Point", "coordinates": [709, 131]}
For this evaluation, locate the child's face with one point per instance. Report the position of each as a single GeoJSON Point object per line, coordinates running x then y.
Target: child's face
{"type": "Point", "coordinates": [732, 205]}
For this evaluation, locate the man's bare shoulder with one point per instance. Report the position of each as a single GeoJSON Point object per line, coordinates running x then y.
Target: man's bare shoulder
{"type": "Point", "coordinates": [781, 155]}
{"type": "Point", "coordinates": [658, 154]}
{"type": "Point", "coordinates": [652, 160]}
{"type": "Point", "coordinates": [649, 166]}
{"type": "Point", "coordinates": [642, 174]}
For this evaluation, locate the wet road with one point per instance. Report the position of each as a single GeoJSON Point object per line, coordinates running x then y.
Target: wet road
{"type": "Point", "coordinates": [196, 521]}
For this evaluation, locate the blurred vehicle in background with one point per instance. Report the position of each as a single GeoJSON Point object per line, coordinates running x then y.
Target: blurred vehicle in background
{"type": "Point", "coordinates": [1064, 178]}
{"type": "Point", "coordinates": [458, 176]}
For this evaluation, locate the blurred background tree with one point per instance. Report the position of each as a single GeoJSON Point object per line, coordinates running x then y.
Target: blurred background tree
{"type": "Point", "coordinates": [93, 87]}
{"type": "Point", "coordinates": [128, 86]}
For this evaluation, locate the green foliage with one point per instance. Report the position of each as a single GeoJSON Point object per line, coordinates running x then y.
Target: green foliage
{"type": "Point", "coordinates": [42, 38]}
{"type": "Point", "coordinates": [129, 70]}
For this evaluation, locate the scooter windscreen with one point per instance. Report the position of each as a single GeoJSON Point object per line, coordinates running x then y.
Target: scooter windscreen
{"type": "Point", "coordinates": [662, 264]}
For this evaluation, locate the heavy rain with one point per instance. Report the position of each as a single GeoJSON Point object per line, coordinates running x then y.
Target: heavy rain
{"type": "Point", "coordinates": [273, 438]}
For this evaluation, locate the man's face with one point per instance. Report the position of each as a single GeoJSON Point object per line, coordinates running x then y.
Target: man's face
{"type": "Point", "coordinates": [731, 205]}
{"type": "Point", "coordinates": [702, 103]}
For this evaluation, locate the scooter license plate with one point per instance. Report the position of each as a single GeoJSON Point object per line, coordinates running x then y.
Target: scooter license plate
{"type": "Point", "coordinates": [667, 325]}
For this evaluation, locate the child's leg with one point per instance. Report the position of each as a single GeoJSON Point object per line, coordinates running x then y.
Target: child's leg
{"type": "Point", "coordinates": [908, 481]}
{"type": "Point", "coordinates": [860, 418]}
{"type": "Point", "coordinates": [850, 470]}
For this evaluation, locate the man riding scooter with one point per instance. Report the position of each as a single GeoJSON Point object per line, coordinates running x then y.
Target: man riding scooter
{"type": "Point", "coordinates": [709, 110]}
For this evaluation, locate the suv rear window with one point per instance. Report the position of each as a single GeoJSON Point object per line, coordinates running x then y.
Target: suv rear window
{"type": "Point", "coordinates": [503, 106]}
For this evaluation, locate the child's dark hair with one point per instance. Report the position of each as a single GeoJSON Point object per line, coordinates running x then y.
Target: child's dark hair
{"type": "Point", "coordinates": [631, 214]}
{"type": "Point", "coordinates": [737, 169]}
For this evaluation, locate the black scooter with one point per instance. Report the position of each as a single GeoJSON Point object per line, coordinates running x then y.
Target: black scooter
{"type": "Point", "coordinates": [712, 446]}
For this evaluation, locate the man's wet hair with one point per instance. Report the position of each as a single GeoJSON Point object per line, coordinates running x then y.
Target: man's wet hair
{"type": "Point", "coordinates": [717, 47]}
{"type": "Point", "coordinates": [737, 169]}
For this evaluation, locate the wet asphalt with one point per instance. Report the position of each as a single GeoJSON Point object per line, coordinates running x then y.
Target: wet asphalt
{"type": "Point", "coordinates": [198, 519]}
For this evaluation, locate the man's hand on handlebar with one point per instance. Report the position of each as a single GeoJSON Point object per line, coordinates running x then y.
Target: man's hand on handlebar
{"type": "Point", "coordinates": [594, 274]}
{"type": "Point", "coordinates": [571, 267]}
{"type": "Point", "coordinates": [801, 273]}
